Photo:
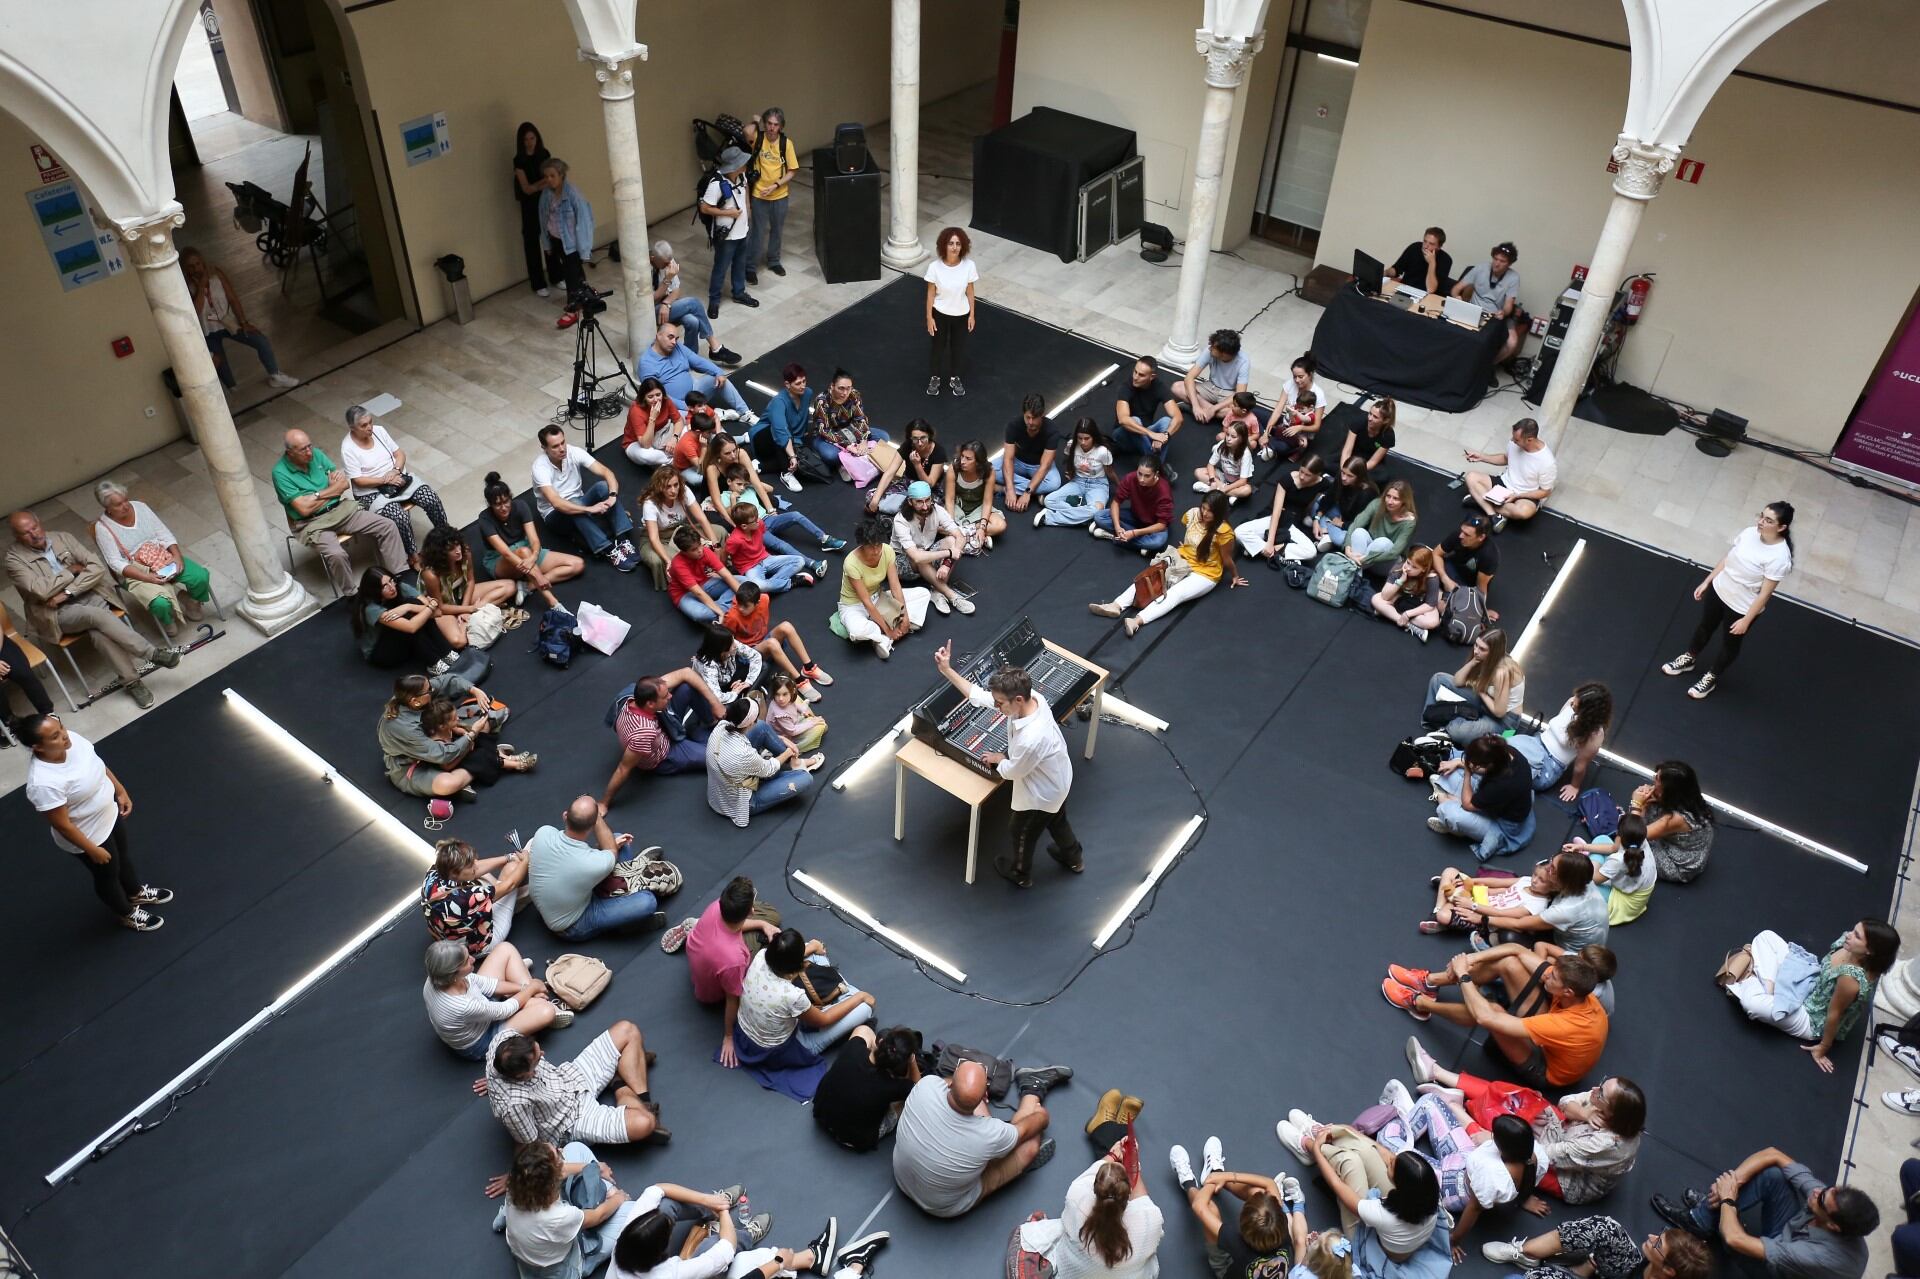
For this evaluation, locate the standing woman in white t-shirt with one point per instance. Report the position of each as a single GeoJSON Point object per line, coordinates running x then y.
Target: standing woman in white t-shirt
{"type": "Point", "coordinates": [1736, 592]}
{"type": "Point", "coordinates": [950, 280]}
{"type": "Point", "coordinates": [72, 787]}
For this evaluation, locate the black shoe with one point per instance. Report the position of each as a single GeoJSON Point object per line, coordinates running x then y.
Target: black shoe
{"type": "Point", "coordinates": [1467, 503]}
{"type": "Point", "coordinates": [1677, 1215]}
{"type": "Point", "coordinates": [862, 1251]}
{"type": "Point", "coordinates": [654, 923]}
{"type": "Point", "coordinates": [753, 277]}
{"type": "Point", "coordinates": [776, 268]}
{"type": "Point", "coordinates": [1071, 862]}
{"type": "Point", "coordinates": [724, 356]}
{"type": "Point", "coordinates": [1047, 1148]}
{"type": "Point", "coordinates": [1038, 1081]}
{"type": "Point", "coordinates": [659, 1136]}
{"type": "Point", "coordinates": [746, 299]}
{"type": "Point", "coordinates": [1015, 875]}
{"type": "Point", "coordinates": [713, 310]}
{"type": "Point", "coordinates": [823, 1247]}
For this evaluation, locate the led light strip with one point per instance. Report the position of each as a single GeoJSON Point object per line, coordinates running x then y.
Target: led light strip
{"type": "Point", "coordinates": [1140, 890]}
{"type": "Point", "coordinates": [325, 771]}
{"type": "Point", "coordinates": [873, 755]}
{"type": "Point", "coordinates": [1547, 600]}
{"type": "Point", "coordinates": [767, 391]}
{"type": "Point", "coordinates": [1086, 386]}
{"type": "Point", "coordinates": [1128, 713]}
{"type": "Point", "coordinates": [899, 939]}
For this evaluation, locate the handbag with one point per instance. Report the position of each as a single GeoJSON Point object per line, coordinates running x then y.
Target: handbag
{"type": "Point", "coordinates": [1424, 753]}
{"type": "Point", "coordinates": [947, 1059]}
{"type": "Point", "coordinates": [577, 979]}
{"type": "Point", "coordinates": [647, 873]}
{"type": "Point", "coordinates": [822, 982]}
{"type": "Point", "coordinates": [1149, 584]}
{"type": "Point", "coordinates": [484, 626]}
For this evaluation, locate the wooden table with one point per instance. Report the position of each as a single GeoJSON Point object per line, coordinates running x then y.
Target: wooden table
{"type": "Point", "coordinates": [970, 788]}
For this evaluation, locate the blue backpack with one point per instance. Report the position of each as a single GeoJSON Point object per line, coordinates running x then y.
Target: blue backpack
{"type": "Point", "coordinates": [556, 638]}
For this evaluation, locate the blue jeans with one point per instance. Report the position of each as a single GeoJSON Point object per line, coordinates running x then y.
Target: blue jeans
{"type": "Point", "coordinates": [1077, 502]}
{"type": "Point", "coordinates": [690, 604]}
{"type": "Point", "coordinates": [1151, 542]}
{"type": "Point", "coordinates": [775, 573]}
{"type": "Point", "coordinates": [727, 395]}
{"type": "Point", "coordinates": [830, 452]}
{"type": "Point", "coordinates": [1489, 837]}
{"type": "Point", "coordinates": [695, 327]}
{"type": "Point", "coordinates": [779, 522]}
{"type": "Point", "coordinates": [1768, 1204]}
{"type": "Point", "coordinates": [781, 787]}
{"type": "Point", "coordinates": [1125, 441]}
{"type": "Point", "coordinates": [595, 532]}
{"type": "Point", "coordinates": [1023, 473]}
{"type": "Point", "coordinates": [216, 343]}
{"type": "Point", "coordinates": [613, 914]}
{"type": "Point", "coordinates": [769, 219]}
{"type": "Point", "coordinates": [730, 257]}
{"type": "Point", "coordinates": [827, 1036]}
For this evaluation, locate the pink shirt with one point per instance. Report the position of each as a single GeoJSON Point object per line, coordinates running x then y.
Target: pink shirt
{"type": "Point", "coordinates": [716, 957]}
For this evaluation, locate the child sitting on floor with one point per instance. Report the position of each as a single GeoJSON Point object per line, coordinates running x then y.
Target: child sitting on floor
{"type": "Point", "coordinates": [749, 619]}
{"type": "Point", "coordinates": [792, 718]}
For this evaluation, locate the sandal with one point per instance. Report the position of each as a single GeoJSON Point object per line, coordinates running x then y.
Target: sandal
{"type": "Point", "coordinates": [514, 619]}
{"type": "Point", "coordinates": [1735, 967]}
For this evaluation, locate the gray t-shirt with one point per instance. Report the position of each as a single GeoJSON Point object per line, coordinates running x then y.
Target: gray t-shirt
{"type": "Point", "coordinates": [939, 1153]}
{"type": "Point", "coordinates": [1488, 293]}
{"type": "Point", "coordinates": [1235, 372]}
{"type": "Point", "coordinates": [1577, 921]}
{"type": "Point", "coordinates": [460, 1020]}
{"type": "Point", "coordinates": [561, 873]}
{"type": "Point", "coordinates": [1803, 1250]}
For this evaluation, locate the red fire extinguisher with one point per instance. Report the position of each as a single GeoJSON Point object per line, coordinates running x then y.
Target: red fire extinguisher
{"type": "Point", "coordinates": [1637, 290]}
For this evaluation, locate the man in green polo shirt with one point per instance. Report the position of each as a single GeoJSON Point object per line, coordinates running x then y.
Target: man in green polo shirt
{"type": "Point", "coordinates": [314, 492]}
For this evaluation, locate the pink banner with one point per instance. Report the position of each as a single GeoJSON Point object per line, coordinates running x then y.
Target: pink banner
{"type": "Point", "coordinates": [1884, 436]}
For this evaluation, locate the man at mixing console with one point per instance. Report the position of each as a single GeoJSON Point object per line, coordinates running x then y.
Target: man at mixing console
{"type": "Point", "coordinates": [1036, 762]}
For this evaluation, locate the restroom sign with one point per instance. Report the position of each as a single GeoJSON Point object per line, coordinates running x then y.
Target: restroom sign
{"type": "Point", "coordinates": [50, 169]}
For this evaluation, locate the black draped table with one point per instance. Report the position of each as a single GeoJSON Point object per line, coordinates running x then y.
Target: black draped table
{"type": "Point", "coordinates": [1378, 347]}
{"type": "Point", "coordinates": [1027, 176]}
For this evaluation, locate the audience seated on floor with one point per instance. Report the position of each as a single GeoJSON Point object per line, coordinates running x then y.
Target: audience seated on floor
{"type": "Point", "coordinates": [1680, 824]}
{"type": "Point", "coordinates": [1147, 415]}
{"type": "Point", "coordinates": [1524, 483]}
{"type": "Point", "coordinates": [681, 370]}
{"type": "Point", "coordinates": [1561, 905]}
{"type": "Point", "coordinates": [1204, 560]}
{"type": "Point", "coordinates": [842, 435]}
{"type": "Point", "coordinates": [1773, 1210]}
{"type": "Point", "coordinates": [1258, 1243]}
{"type": "Point", "coordinates": [1229, 468]}
{"type": "Point", "coordinates": [702, 424]}
{"type": "Point", "coordinates": [663, 722]}
{"type": "Point", "coordinates": [698, 582]}
{"type": "Point", "coordinates": [447, 578]}
{"type": "Point", "coordinates": [654, 426]}
{"type": "Point", "coordinates": [950, 1151]}
{"type": "Point", "coordinates": [1373, 442]}
{"type": "Point", "coordinates": [671, 307]}
{"type": "Point", "coordinates": [1395, 1194]}
{"type": "Point", "coordinates": [468, 1006]}
{"type": "Point", "coordinates": [971, 481]}
{"type": "Point", "coordinates": [750, 621]}
{"type": "Point", "coordinates": [1564, 748]}
{"type": "Point", "coordinates": [512, 546]}
{"type": "Point", "coordinates": [538, 1099]}
{"type": "Point", "coordinates": [1551, 1043]}
{"type": "Point", "coordinates": [666, 507]}
{"type": "Point", "coordinates": [65, 590]}
{"type": "Point", "coordinates": [927, 543]}
{"type": "Point", "coordinates": [563, 1212]}
{"type": "Point", "coordinates": [1380, 534]}
{"type": "Point", "coordinates": [1108, 1228]}
{"type": "Point", "coordinates": [750, 767]}
{"type": "Point", "coordinates": [924, 459]}
{"type": "Point", "coordinates": [720, 943]}
{"type": "Point", "coordinates": [380, 481]}
{"type": "Point", "coordinates": [429, 748]}
{"type": "Point", "coordinates": [1295, 421]}
{"type": "Point", "coordinates": [469, 899]}
{"type": "Point", "coordinates": [1210, 384]}
{"type": "Point", "coordinates": [1340, 505]}
{"type": "Point", "coordinates": [793, 1006]}
{"type": "Point", "coordinates": [1470, 557]}
{"type": "Point", "coordinates": [874, 608]}
{"type": "Point", "coordinates": [774, 572]}
{"type": "Point", "coordinates": [725, 665]}
{"type": "Point", "coordinates": [314, 493]}
{"type": "Point", "coordinates": [1623, 868]}
{"type": "Point", "coordinates": [683, 1234]}
{"type": "Point", "coordinates": [1602, 1248]}
{"type": "Point", "coordinates": [1294, 489]}
{"type": "Point", "coordinates": [566, 863]}
{"type": "Point", "coordinates": [1140, 511]}
{"type": "Point", "coordinates": [143, 554]}
{"type": "Point", "coordinates": [1088, 465]}
{"type": "Point", "coordinates": [579, 500]}
{"type": "Point", "coordinates": [859, 1099]}
{"type": "Point", "coordinates": [1026, 468]}
{"type": "Point", "coordinates": [1485, 696]}
{"type": "Point", "coordinates": [1412, 598]}
{"type": "Point", "coordinates": [394, 625]}
{"type": "Point", "coordinates": [1817, 1000]}
{"type": "Point", "coordinates": [792, 717]}
{"type": "Point", "coordinates": [1480, 1168]}
{"type": "Point", "coordinates": [1484, 798]}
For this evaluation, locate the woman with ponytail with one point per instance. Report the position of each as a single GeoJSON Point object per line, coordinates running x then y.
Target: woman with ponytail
{"type": "Point", "coordinates": [1736, 592]}
{"type": "Point", "coordinates": [1623, 870]}
{"type": "Point", "coordinates": [1108, 1228]}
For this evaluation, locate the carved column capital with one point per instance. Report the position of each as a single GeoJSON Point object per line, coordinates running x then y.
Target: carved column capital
{"type": "Point", "coordinates": [1228, 57]}
{"type": "Point", "coordinates": [1641, 168]}
{"type": "Point", "coordinates": [612, 70]}
{"type": "Point", "coordinates": [150, 241]}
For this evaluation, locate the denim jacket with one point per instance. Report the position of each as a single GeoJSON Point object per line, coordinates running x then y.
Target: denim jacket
{"type": "Point", "coordinates": [576, 220]}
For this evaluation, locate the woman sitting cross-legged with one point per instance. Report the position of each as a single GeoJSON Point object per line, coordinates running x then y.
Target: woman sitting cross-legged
{"type": "Point", "coordinates": [1680, 824]}
{"type": "Point", "coordinates": [970, 483]}
{"type": "Point", "coordinates": [1781, 984]}
{"type": "Point", "coordinates": [1337, 508]}
{"type": "Point", "coordinates": [1283, 534]}
{"type": "Point", "coordinates": [698, 583]}
{"type": "Point", "coordinates": [750, 622]}
{"type": "Point", "coordinates": [784, 1024]}
{"type": "Point", "coordinates": [428, 752]}
{"type": "Point", "coordinates": [1601, 1248]}
{"type": "Point", "coordinates": [1087, 463]}
{"type": "Point", "coordinates": [1564, 749]}
{"type": "Point", "coordinates": [665, 508]}
{"type": "Point", "coordinates": [1412, 598]}
{"type": "Point", "coordinates": [924, 460]}
{"type": "Point", "coordinates": [1484, 696]}
{"type": "Point", "coordinates": [1587, 1142]}
{"type": "Point", "coordinates": [1109, 1228]}
{"type": "Point", "coordinates": [682, 1234]}
{"type": "Point", "coordinates": [1623, 868]}
{"type": "Point", "coordinates": [1396, 1194]}
{"type": "Point", "coordinates": [1486, 797]}
{"type": "Point", "coordinates": [751, 768]}
{"type": "Point", "coordinates": [471, 900]}
{"type": "Point", "coordinates": [446, 577]}
{"type": "Point", "coordinates": [394, 625]}
{"type": "Point", "coordinates": [1204, 559]}
{"type": "Point", "coordinates": [1380, 533]}
{"type": "Point", "coordinates": [511, 537]}
{"type": "Point", "coordinates": [873, 607]}
{"type": "Point", "coordinates": [563, 1212]}
{"type": "Point", "coordinates": [1229, 468]}
{"type": "Point", "coordinates": [468, 1005]}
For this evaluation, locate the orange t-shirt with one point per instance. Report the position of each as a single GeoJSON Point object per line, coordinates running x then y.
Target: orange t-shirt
{"type": "Point", "coordinates": [749, 627]}
{"type": "Point", "coordinates": [1570, 1039]}
{"type": "Point", "coordinates": [637, 421]}
{"type": "Point", "coordinates": [687, 450]}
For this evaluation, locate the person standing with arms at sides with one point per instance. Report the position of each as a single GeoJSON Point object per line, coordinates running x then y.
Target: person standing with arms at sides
{"type": "Point", "coordinates": [1424, 264]}
{"type": "Point", "coordinates": [1036, 762]}
{"type": "Point", "coordinates": [1739, 588]}
{"type": "Point", "coordinates": [951, 278]}
{"type": "Point", "coordinates": [529, 180]}
{"type": "Point", "coordinates": [725, 204]}
{"type": "Point", "coordinates": [566, 233]}
{"type": "Point", "coordinates": [774, 164]}
{"type": "Point", "coordinates": [87, 807]}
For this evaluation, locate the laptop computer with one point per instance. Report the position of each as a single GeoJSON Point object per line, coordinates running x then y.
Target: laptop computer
{"type": "Point", "coordinates": [1367, 272]}
{"type": "Point", "coordinates": [1461, 311]}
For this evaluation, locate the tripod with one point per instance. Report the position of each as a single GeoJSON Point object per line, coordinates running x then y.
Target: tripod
{"type": "Point", "coordinates": [584, 400]}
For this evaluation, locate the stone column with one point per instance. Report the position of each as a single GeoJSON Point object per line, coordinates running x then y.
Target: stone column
{"type": "Point", "coordinates": [274, 600]}
{"type": "Point", "coordinates": [1641, 169]}
{"type": "Point", "coordinates": [1899, 994]}
{"type": "Point", "coordinates": [629, 195]}
{"type": "Point", "coordinates": [902, 248]}
{"type": "Point", "coordinates": [1228, 58]}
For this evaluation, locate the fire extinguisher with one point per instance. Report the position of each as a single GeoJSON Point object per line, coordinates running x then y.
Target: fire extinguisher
{"type": "Point", "coordinates": [1637, 290]}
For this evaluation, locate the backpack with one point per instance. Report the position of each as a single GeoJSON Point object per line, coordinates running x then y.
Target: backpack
{"type": "Point", "coordinates": [556, 638]}
{"type": "Point", "coordinates": [1333, 575]}
{"type": "Point", "coordinates": [729, 197]}
{"type": "Point", "coordinates": [1466, 615]}
{"type": "Point", "coordinates": [577, 979]}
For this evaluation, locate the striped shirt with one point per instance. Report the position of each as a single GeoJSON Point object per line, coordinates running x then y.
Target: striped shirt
{"type": "Point", "coordinates": [541, 1107]}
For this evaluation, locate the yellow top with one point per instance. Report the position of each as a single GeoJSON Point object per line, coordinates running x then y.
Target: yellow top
{"type": "Point", "coordinates": [767, 167]}
{"type": "Point", "coordinates": [1211, 567]}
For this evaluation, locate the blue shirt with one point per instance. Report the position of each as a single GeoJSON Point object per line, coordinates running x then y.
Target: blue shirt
{"type": "Point", "coordinates": [787, 420]}
{"type": "Point", "coordinates": [675, 371]}
{"type": "Point", "coordinates": [575, 219]}
{"type": "Point", "coordinates": [561, 874]}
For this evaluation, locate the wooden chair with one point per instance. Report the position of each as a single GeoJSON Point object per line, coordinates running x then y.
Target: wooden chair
{"type": "Point", "coordinates": [346, 544]}
{"type": "Point", "coordinates": [36, 658]}
{"type": "Point", "coordinates": [65, 644]}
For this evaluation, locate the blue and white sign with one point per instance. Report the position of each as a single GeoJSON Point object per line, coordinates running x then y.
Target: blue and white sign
{"type": "Point", "coordinates": [82, 251]}
{"type": "Point", "coordinates": [425, 139]}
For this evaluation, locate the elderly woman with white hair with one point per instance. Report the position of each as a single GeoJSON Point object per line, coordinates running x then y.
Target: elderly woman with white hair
{"type": "Point", "coordinates": [671, 307]}
{"type": "Point", "coordinates": [378, 477]}
{"type": "Point", "coordinates": [144, 555]}
{"type": "Point", "coordinates": [467, 1006]}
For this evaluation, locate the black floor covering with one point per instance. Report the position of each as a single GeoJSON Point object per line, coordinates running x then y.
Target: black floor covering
{"type": "Point", "coordinates": [343, 1140]}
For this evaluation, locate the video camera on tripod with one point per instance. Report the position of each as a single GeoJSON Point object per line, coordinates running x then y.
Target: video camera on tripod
{"type": "Point", "coordinates": [584, 400]}
{"type": "Point", "coordinates": [587, 301]}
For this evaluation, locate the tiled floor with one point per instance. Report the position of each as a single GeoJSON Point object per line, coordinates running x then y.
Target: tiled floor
{"type": "Point", "coordinates": [472, 397]}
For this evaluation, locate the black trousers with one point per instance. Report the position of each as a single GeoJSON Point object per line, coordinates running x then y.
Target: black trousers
{"type": "Point", "coordinates": [1027, 825]}
{"type": "Point", "coordinates": [21, 676]}
{"type": "Point", "coordinates": [483, 761]}
{"type": "Point", "coordinates": [537, 265]}
{"type": "Point", "coordinates": [1716, 617]}
{"type": "Point", "coordinates": [569, 272]}
{"type": "Point", "coordinates": [114, 882]}
{"type": "Point", "coordinates": [949, 344]}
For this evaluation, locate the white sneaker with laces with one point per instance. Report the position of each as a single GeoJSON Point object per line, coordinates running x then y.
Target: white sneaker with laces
{"type": "Point", "coordinates": [1212, 1159]}
{"type": "Point", "coordinates": [791, 481]}
{"type": "Point", "coordinates": [1182, 1166]}
{"type": "Point", "coordinates": [1902, 1053]}
{"type": "Point", "coordinates": [1906, 1101]}
{"type": "Point", "coordinates": [962, 605]}
{"type": "Point", "coordinates": [1395, 1094]}
{"type": "Point", "coordinates": [883, 647]}
{"type": "Point", "coordinates": [1290, 1138]}
{"type": "Point", "coordinates": [282, 380]}
{"type": "Point", "coordinates": [1506, 1252]}
{"type": "Point", "coordinates": [941, 604]}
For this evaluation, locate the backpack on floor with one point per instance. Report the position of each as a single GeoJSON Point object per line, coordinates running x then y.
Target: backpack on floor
{"type": "Point", "coordinates": [1297, 574]}
{"type": "Point", "coordinates": [577, 979]}
{"type": "Point", "coordinates": [999, 1069]}
{"type": "Point", "coordinates": [1360, 595]}
{"type": "Point", "coordinates": [1333, 577]}
{"type": "Point", "coordinates": [556, 638]}
{"type": "Point", "coordinates": [1466, 615]}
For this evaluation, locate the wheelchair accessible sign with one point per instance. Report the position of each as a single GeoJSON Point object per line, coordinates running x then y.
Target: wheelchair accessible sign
{"type": "Point", "coordinates": [82, 252]}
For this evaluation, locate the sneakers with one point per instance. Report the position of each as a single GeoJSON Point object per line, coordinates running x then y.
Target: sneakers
{"type": "Point", "coordinates": [542, 293]}
{"type": "Point", "coordinates": [818, 568]}
{"type": "Point", "coordinates": [1395, 1094]}
{"type": "Point", "coordinates": [813, 672]}
{"type": "Point", "coordinates": [1457, 1095]}
{"type": "Point", "coordinates": [1182, 1167]}
{"type": "Point", "coordinates": [806, 689]}
{"type": "Point", "coordinates": [1040, 518]}
{"type": "Point", "coordinates": [831, 544]}
{"type": "Point", "coordinates": [169, 658]}
{"type": "Point", "coordinates": [963, 606]}
{"type": "Point", "coordinates": [823, 1247]}
{"type": "Point", "coordinates": [676, 937]}
{"type": "Point", "coordinates": [151, 896]}
{"type": "Point", "coordinates": [790, 481]}
{"type": "Point", "coordinates": [1212, 1159]}
{"type": "Point", "coordinates": [1038, 1081]}
{"type": "Point", "coordinates": [1266, 454]}
{"type": "Point", "coordinates": [883, 648]}
{"type": "Point", "coordinates": [755, 1228]}
{"type": "Point", "coordinates": [724, 356]}
{"type": "Point", "coordinates": [282, 380]}
{"type": "Point", "coordinates": [562, 1015]}
{"type": "Point", "coordinates": [1413, 978]}
{"type": "Point", "coordinates": [933, 385]}
{"type": "Point", "coordinates": [1201, 486]}
{"type": "Point", "coordinates": [862, 1251]}
{"type": "Point", "coordinates": [141, 921]}
{"type": "Point", "coordinates": [1703, 686]}
{"type": "Point", "coordinates": [1679, 665]}
{"type": "Point", "coordinates": [942, 604]}
{"type": "Point", "coordinates": [1907, 1056]}
{"type": "Point", "coordinates": [1292, 1197]}
{"type": "Point", "coordinates": [142, 695]}
{"type": "Point", "coordinates": [1418, 632]}
{"type": "Point", "coordinates": [1504, 1252]}
{"type": "Point", "coordinates": [1403, 998]}
{"type": "Point", "coordinates": [1105, 610]}
{"type": "Point", "coordinates": [1419, 1060]}
{"type": "Point", "coordinates": [954, 387]}
{"type": "Point", "coordinates": [1101, 533]}
{"type": "Point", "coordinates": [1437, 826]}
{"type": "Point", "coordinates": [1043, 1156]}
{"type": "Point", "coordinates": [1906, 1101]}
{"type": "Point", "coordinates": [1290, 1137]}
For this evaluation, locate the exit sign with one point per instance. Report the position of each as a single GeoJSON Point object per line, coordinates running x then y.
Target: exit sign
{"type": "Point", "coordinates": [1688, 171]}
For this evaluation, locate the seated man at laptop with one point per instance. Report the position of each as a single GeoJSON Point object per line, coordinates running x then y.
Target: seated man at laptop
{"type": "Point", "coordinates": [1494, 286]}
{"type": "Point", "coordinates": [1424, 264]}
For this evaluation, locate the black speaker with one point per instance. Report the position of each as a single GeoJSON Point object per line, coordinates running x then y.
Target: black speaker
{"type": "Point", "coordinates": [1156, 242]}
{"type": "Point", "coordinates": [849, 148]}
{"type": "Point", "coordinates": [846, 218]}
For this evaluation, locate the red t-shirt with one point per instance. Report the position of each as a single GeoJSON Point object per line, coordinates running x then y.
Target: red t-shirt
{"type": "Point", "coordinates": [747, 549]}
{"type": "Point", "coordinates": [690, 569]}
{"type": "Point", "coordinates": [748, 627]}
{"type": "Point", "coordinates": [716, 957]}
{"type": "Point", "coordinates": [637, 421]}
{"type": "Point", "coordinates": [687, 450]}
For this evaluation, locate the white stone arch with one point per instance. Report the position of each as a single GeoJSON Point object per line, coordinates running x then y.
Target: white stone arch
{"type": "Point", "coordinates": [1683, 52]}
{"type": "Point", "coordinates": [604, 28]}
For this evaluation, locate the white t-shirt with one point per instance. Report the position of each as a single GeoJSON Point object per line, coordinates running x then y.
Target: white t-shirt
{"type": "Point", "coordinates": [950, 285]}
{"type": "Point", "coordinates": [364, 463]}
{"type": "Point", "coordinates": [117, 543]}
{"type": "Point", "coordinates": [770, 1005]}
{"type": "Point", "coordinates": [460, 1020]}
{"type": "Point", "coordinates": [1530, 472]}
{"type": "Point", "coordinates": [1751, 561]}
{"type": "Point", "coordinates": [713, 1261]}
{"type": "Point", "coordinates": [1553, 735]}
{"type": "Point", "coordinates": [543, 1238]}
{"type": "Point", "coordinates": [1091, 464]}
{"type": "Point", "coordinates": [667, 518]}
{"type": "Point", "coordinates": [1315, 397]}
{"type": "Point", "coordinates": [1395, 1235]}
{"type": "Point", "coordinates": [736, 225]}
{"type": "Point", "coordinates": [1615, 869]}
{"type": "Point", "coordinates": [569, 479]}
{"type": "Point", "coordinates": [80, 783]}
{"type": "Point", "coordinates": [1488, 1178]}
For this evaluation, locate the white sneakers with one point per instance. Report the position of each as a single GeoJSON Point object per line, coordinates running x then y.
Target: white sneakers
{"type": "Point", "coordinates": [282, 380]}
{"type": "Point", "coordinates": [791, 481]}
{"type": "Point", "coordinates": [1395, 1094]}
{"type": "Point", "coordinates": [884, 647]}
